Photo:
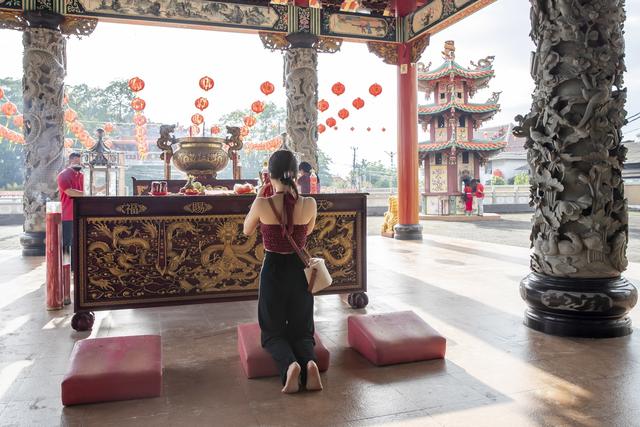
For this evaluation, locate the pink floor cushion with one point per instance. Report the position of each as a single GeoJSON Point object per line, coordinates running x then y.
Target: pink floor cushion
{"type": "Point", "coordinates": [114, 368]}
{"type": "Point", "coordinates": [255, 360]}
{"type": "Point", "coordinates": [385, 339]}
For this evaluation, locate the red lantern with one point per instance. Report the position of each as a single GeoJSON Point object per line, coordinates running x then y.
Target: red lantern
{"type": "Point", "coordinates": [1, 93]}
{"type": "Point", "coordinates": [321, 128]}
{"type": "Point", "coordinates": [197, 119]}
{"type": "Point", "coordinates": [375, 89]}
{"type": "Point", "coordinates": [138, 104]}
{"type": "Point", "coordinates": [249, 121]}
{"type": "Point", "coordinates": [136, 84]}
{"type": "Point", "coordinates": [323, 105]}
{"type": "Point", "coordinates": [244, 131]}
{"type": "Point", "coordinates": [368, 129]}
{"type": "Point", "coordinates": [18, 121]}
{"type": "Point", "coordinates": [141, 132]}
{"type": "Point", "coordinates": [139, 120]}
{"type": "Point", "coordinates": [358, 103]}
{"type": "Point", "coordinates": [68, 143]}
{"type": "Point", "coordinates": [70, 115]}
{"type": "Point", "coordinates": [202, 103]}
{"type": "Point", "coordinates": [337, 88]}
{"type": "Point", "coordinates": [331, 122]}
{"type": "Point", "coordinates": [257, 107]}
{"type": "Point", "coordinates": [9, 109]}
{"type": "Point", "coordinates": [206, 83]}
{"type": "Point", "coordinates": [267, 88]}
{"type": "Point", "coordinates": [108, 127]}
{"type": "Point", "coordinates": [194, 130]}
{"type": "Point", "coordinates": [215, 130]}
{"type": "Point", "coordinates": [343, 114]}
{"type": "Point", "coordinates": [76, 128]}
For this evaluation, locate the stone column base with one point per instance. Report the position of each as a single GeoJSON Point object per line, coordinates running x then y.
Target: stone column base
{"type": "Point", "coordinates": [33, 243]}
{"type": "Point", "coordinates": [408, 232]}
{"type": "Point", "coordinates": [574, 307]}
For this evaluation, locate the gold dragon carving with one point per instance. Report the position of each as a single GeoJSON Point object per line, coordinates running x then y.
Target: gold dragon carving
{"type": "Point", "coordinates": [128, 259]}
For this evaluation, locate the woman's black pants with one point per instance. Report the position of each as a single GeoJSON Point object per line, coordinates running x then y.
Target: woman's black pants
{"type": "Point", "coordinates": [285, 312]}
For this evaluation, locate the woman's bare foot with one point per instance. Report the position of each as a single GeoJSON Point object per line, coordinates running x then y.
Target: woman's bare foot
{"type": "Point", "coordinates": [313, 377]}
{"type": "Point", "coordinates": [293, 379]}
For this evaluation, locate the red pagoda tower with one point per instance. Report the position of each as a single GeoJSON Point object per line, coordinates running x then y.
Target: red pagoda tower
{"type": "Point", "coordinates": [453, 153]}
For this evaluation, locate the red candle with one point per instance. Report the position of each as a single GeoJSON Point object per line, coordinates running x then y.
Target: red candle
{"type": "Point", "coordinates": [66, 279]}
{"type": "Point", "coordinates": [54, 261]}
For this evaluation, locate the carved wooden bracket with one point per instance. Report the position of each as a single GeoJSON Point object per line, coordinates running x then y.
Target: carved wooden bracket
{"type": "Point", "coordinates": [387, 51]}
{"type": "Point", "coordinates": [277, 41]}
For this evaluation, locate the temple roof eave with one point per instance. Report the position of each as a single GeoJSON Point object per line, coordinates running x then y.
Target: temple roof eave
{"type": "Point", "coordinates": [474, 109]}
{"type": "Point", "coordinates": [486, 147]}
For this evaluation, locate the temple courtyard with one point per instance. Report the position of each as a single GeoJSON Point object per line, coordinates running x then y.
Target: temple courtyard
{"type": "Point", "coordinates": [496, 372]}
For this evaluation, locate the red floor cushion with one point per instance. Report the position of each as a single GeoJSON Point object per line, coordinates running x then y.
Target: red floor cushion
{"type": "Point", "coordinates": [114, 368]}
{"type": "Point", "coordinates": [255, 360]}
{"type": "Point", "coordinates": [385, 339]}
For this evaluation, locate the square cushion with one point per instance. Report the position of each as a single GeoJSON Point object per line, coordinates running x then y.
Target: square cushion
{"type": "Point", "coordinates": [257, 362]}
{"type": "Point", "coordinates": [114, 368]}
{"type": "Point", "coordinates": [385, 339]}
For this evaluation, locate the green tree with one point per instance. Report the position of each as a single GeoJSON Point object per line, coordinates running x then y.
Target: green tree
{"type": "Point", "coordinates": [521, 179]}
{"type": "Point", "coordinates": [94, 106]}
{"type": "Point", "coordinates": [11, 155]}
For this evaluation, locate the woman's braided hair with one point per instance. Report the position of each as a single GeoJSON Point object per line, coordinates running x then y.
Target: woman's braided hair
{"type": "Point", "coordinates": [284, 166]}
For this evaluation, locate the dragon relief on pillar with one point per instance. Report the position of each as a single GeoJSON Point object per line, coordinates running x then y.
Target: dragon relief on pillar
{"type": "Point", "coordinates": [573, 139]}
{"type": "Point", "coordinates": [44, 63]}
{"type": "Point", "coordinates": [301, 85]}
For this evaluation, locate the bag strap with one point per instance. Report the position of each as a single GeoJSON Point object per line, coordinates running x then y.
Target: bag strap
{"type": "Point", "coordinates": [304, 258]}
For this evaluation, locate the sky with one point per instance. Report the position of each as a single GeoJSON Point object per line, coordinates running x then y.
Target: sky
{"type": "Point", "coordinates": [172, 60]}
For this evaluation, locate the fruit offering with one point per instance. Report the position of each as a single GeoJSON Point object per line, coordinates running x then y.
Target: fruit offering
{"type": "Point", "coordinates": [192, 188]}
{"type": "Point", "coordinates": [243, 188]}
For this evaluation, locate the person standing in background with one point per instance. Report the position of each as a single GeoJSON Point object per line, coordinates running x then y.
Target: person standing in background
{"type": "Point", "coordinates": [468, 197]}
{"type": "Point", "coordinates": [478, 190]}
{"type": "Point", "coordinates": [304, 178]}
{"type": "Point", "coordinates": [70, 185]}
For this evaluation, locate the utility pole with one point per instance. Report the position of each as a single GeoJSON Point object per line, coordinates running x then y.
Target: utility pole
{"type": "Point", "coordinates": [391, 154]}
{"type": "Point", "coordinates": [353, 168]}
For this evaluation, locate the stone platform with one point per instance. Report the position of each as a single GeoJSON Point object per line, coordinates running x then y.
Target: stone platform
{"type": "Point", "coordinates": [462, 218]}
{"type": "Point", "coordinates": [496, 373]}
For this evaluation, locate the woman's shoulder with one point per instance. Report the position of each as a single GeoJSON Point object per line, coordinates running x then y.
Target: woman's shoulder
{"type": "Point", "coordinates": [308, 201]}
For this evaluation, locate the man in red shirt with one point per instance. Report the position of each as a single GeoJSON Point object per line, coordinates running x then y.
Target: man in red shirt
{"type": "Point", "coordinates": [479, 193]}
{"type": "Point", "coordinates": [70, 185]}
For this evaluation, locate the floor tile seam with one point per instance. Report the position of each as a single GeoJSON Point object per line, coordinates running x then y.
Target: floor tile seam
{"type": "Point", "coordinates": [394, 414]}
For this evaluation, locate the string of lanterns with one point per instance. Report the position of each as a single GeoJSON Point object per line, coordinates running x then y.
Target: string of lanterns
{"type": "Point", "coordinates": [136, 84]}
{"type": "Point", "coordinates": [358, 103]}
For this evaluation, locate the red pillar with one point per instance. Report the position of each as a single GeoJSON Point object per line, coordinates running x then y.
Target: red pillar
{"type": "Point", "coordinates": [408, 192]}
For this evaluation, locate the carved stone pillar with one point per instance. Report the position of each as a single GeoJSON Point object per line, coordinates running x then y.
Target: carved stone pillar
{"type": "Point", "coordinates": [301, 85]}
{"type": "Point", "coordinates": [44, 63]}
{"type": "Point", "coordinates": [580, 231]}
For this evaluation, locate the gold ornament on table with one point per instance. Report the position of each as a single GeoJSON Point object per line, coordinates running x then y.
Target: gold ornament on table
{"type": "Point", "coordinates": [198, 156]}
{"type": "Point", "coordinates": [390, 217]}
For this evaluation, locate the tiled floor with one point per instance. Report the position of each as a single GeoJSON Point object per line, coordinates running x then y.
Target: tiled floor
{"type": "Point", "coordinates": [497, 372]}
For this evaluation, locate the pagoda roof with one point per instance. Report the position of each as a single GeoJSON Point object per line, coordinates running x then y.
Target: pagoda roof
{"type": "Point", "coordinates": [451, 67]}
{"type": "Point", "coordinates": [428, 110]}
{"type": "Point", "coordinates": [473, 145]}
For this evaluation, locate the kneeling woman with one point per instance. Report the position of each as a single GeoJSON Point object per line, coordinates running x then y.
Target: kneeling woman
{"type": "Point", "coordinates": [285, 305]}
